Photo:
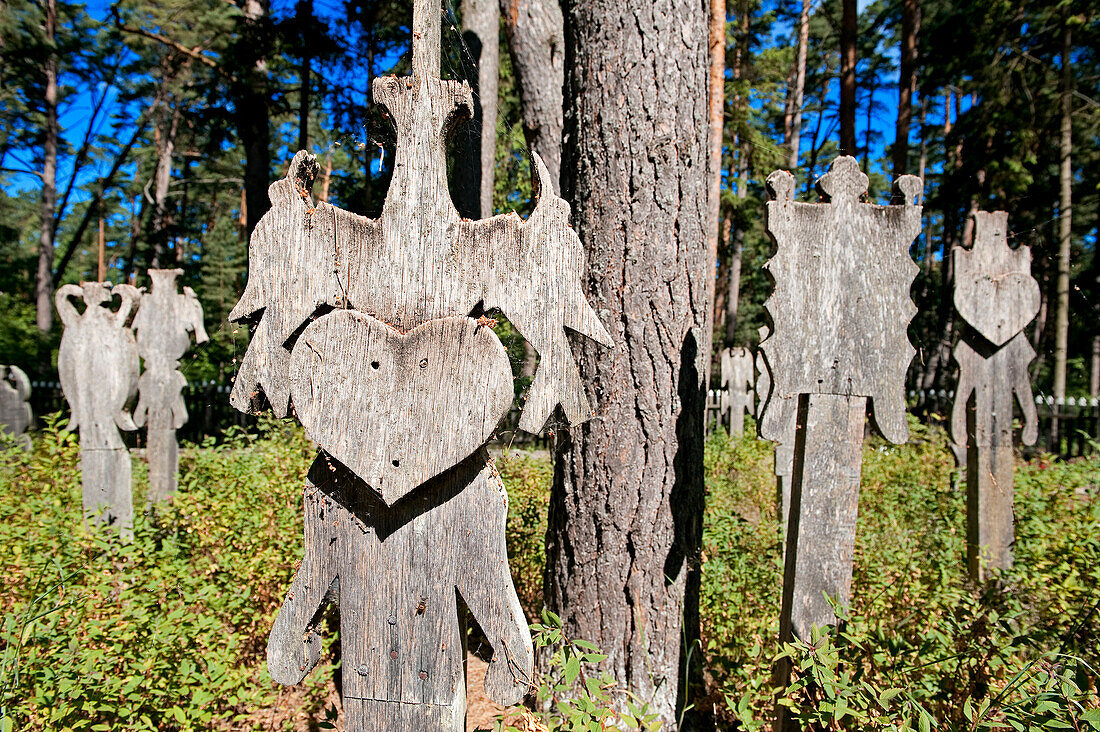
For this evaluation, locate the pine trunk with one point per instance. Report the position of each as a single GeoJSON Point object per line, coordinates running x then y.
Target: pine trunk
{"type": "Point", "coordinates": [1065, 224]}
{"type": "Point", "coordinates": [623, 543]}
{"type": "Point", "coordinates": [251, 98]}
{"type": "Point", "coordinates": [848, 30]}
{"type": "Point", "coordinates": [536, 37]}
{"type": "Point", "coordinates": [907, 86]}
{"type": "Point", "coordinates": [43, 286]}
{"type": "Point", "coordinates": [794, 134]}
{"type": "Point", "coordinates": [304, 19]}
{"type": "Point", "coordinates": [476, 156]}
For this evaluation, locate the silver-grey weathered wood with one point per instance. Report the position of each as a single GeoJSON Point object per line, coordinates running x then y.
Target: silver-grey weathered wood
{"type": "Point", "coordinates": [784, 412]}
{"type": "Point", "coordinates": [737, 381]}
{"type": "Point", "coordinates": [996, 295]}
{"type": "Point", "coordinates": [164, 324]}
{"type": "Point", "coordinates": [840, 311]}
{"type": "Point", "coordinates": [97, 362]}
{"type": "Point", "coordinates": [15, 409]}
{"type": "Point", "coordinates": [369, 330]}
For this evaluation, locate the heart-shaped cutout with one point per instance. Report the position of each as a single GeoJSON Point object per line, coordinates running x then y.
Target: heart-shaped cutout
{"type": "Point", "coordinates": [1000, 307]}
{"type": "Point", "coordinates": [398, 409]}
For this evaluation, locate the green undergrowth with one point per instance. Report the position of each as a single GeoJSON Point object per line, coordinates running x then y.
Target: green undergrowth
{"type": "Point", "coordinates": [168, 632]}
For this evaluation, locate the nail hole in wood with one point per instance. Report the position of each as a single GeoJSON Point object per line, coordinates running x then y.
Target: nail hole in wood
{"type": "Point", "coordinates": [374, 364]}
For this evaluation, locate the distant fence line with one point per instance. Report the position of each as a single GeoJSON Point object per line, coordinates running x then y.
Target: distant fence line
{"type": "Point", "coordinates": [1067, 427]}
{"type": "Point", "coordinates": [211, 415]}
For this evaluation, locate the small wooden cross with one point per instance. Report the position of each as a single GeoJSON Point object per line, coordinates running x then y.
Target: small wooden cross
{"type": "Point", "coordinates": [840, 311]}
{"type": "Point", "coordinates": [369, 328]}
{"type": "Point", "coordinates": [97, 363]}
{"type": "Point", "coordinates": [163, 326]}
{"type": "Point", "coordinates": [997, 296]}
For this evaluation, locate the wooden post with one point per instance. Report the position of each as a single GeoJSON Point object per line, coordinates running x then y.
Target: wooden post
{"type": "Point", "coordinates": [15, 409]}
{"type": "Point", "coordinates": [840, 311]}
{"type": "Point", "coordinates": [737, 382]}
{"type": "Point", "coordinates": [98, 365]}
{"type": "Point", "coordinates": [997, 297]}
{"type": "Point", "coordinates": [163, 324]}
{"type": "Point", "coordinates": [365, 328]}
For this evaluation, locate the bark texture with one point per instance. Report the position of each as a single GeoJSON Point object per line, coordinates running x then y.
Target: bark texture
{"type": "Point", "coordinates": [1065, 223]}
{"type": "Point", "coordinates": [536, 37]}
{"type": "Point", "coordinates": [43, 287]}
{"type": "Point", "coordinates": [625, 514]}
{"type": "Point", "coordinates": [476, 158]}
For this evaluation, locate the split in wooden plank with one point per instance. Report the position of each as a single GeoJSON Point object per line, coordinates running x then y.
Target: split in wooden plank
{"type": "Point", "coordinates": [997, 296]}
{"type": "Point", "coordinates": [97, 362]}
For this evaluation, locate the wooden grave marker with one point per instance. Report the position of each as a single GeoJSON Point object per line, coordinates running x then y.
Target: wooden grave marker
{"type": "Point", "coordinates": [737, 382]}
{"type": "Point", "coordinates": [840, 311]}
{"type": "Point", "coordinates": [97, 363]}
{"type": "Point", "coordinates": [15, 409]}
{"type": "Point", "coordinates": [784, 414]}
{"type": "Point", "coordinates": [163, 325]}
{"type": "Point", "coordinates": [997, 297]}
{"type": "Point", "coordinates": [365, 327]}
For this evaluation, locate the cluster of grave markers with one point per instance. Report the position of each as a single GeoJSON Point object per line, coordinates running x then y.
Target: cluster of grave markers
{"type": "Point", "coordinates": [98, 365]}
{"type": "Point", "coordinates": [363, 332]}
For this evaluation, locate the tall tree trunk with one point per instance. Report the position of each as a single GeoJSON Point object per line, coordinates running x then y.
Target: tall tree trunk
{"type": "Point", "coordinates": [43, 285]}
{"type": "Point", "coordinates": [165, 137]}
{"type": "Point", "coordinates": [737, 245]}
{"type": "Point", "coordinates": [252, 114]}
{"type": "Point", "coordinates": [792, 136]}
{"type": "Point", "coordinates": [625, 525]}
{"type": "Point", "coordinates": [304, 19]}
{"type": "Point", "coordinates": [848, 30]}
{"type": "Point", "coordinates": [536, 37]}
{"type": "Point", "coordinates": [476, 159]}
{"type": "Point", "coordinates": [907, 86]}
{"type": "Point", "coordinates": [1065, 223]}
{"type": "Point", "coordinates": [715, 113]}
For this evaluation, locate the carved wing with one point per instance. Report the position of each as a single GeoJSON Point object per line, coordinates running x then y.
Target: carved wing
{"type": "Point", "coordinates": [534, 272]}
{"type": "Point", "coordinates": [193, 315]}
{"type": "Point", "coordinates": [67, 353]}
{"type": "Point", "coordinates": [291, 276]}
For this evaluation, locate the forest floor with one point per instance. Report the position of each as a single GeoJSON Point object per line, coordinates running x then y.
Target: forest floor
{"type": "Point", "coordinates": [168, 632]}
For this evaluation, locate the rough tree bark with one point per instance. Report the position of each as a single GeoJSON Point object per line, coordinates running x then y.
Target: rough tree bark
{"type": "Point", "coordinates": [792, 134]}
{"type": "Point", "coordinates": [1065, 223]}
{"type": "Point", "coordinates": [907, 86]}
{"type": "Point", "coordinates": [250, 93]}
{"type": "Point", "coordinates": [848, 30]}
{"type": "Point", "coordinates": [43, 285]}
{"type": "Point", "coordinates": [536, 37]}
{"type": "Point", "coordinates": [623, 542]}
{"type": "Point", "coordinates": [476, 160]}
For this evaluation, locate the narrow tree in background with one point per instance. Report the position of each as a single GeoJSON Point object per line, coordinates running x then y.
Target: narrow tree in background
{"type": "Point", "coordinates": [907, 86]}
{"type": "Point", "coordinates": [1065, 221]}
{"type": "Point", "coordinates": [250, 92]}
{"type": "Point", "coordinates": [716, 116]}
{"type": "Point", "coordinates": [623, 542]}
{"type": "Point", "coordinates": [43, 287]}
{"type": "Point", "coordinates": [476, 157]}
{"type": "Point", "coordinates": [536, 38]}
{"type": "Point", "coordinates": [848, 28]}
{"type": "Point", "coordinates": [792, 132]}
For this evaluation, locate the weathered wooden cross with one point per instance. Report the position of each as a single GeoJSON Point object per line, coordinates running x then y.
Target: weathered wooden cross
{"type": "Point", "coordinates": [15, 410]}
{"type": "Point", "coordinates": [840, 311]}
{"type": "Point", "coordinates": [997, 296]}
{"type": "Point", "coordinates": [736, 369]}
{"type": "Point", "coordinates": [366, 327]}
{"type": "Point", "coordinates": [98, 366]}
{"type": "Point", "coordinates": [163, 324]}
{"type": "Point", "coordinates": [781, 430]}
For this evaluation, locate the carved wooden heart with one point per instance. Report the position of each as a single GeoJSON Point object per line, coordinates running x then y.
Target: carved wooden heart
{"type": "Point", "coordinates": [1000, 307]}
{"type": "Point", "coordinates": [398, 409]}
